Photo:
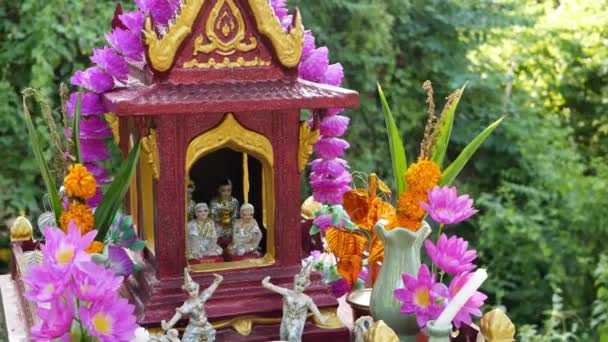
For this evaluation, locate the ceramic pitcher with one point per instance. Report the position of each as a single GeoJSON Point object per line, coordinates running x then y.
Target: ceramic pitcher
{"type": "Point", "coordinates": [401, 255]}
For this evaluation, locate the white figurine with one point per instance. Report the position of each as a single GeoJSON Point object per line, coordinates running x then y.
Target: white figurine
{"type": "Point", "coordinates": [246, 234]}
{"type": "Point", "coordinates": [198, 328]}
{"type": "Point", "coordinates": [202, 236]}
{"type": "Point", "coordinates": [295, 305]}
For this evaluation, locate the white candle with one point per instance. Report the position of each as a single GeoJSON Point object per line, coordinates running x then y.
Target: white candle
{"type": "Point", "coordinates": [466, 292]}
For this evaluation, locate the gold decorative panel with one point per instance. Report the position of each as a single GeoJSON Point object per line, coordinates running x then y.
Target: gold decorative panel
{"type": "Point", "coordinates": [308, 137]}
{"type": "Point", "coordinates": [226, 63]}
{"type": "Point", "coordinates": [150, 149]}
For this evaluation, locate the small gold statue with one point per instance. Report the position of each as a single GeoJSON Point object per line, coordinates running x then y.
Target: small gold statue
{"type": "Point", "coordinates": [295, 305]}
{"type": "Point", "coordinates": [246, 234]}
{"type": "Point", "coordinates": [224, 211]}
{"type": "Point", "coordinates": [202, 236]}
{"type": "Point", "coordinates": [198, 328]}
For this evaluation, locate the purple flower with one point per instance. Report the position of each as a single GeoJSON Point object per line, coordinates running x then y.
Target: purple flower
{"type": "Point", "coordinates": [62, 250]}
{"type": "Point", "coordinates": [161, 11]}
{"type": "Point", "coordinates": [55, 321]}
{"type": "Point", "coordinates": [329, 148]}
{"type": "Point", "coordinates": [334, 75]}
{"type": "Point", "coordinates": [315, 66]}
{"type": "Point", "coordinates": [112, 63]}
{"type": "Point", "coordinates": [280, 8]}
{"type": "Point", "coordinates": [134, 21]}
{"type": "Point", "coordinates": [323, 221]}
{"type": "Point", "coordinates": [422, 296]}
{"type": "Point", "coordinates": [334, 126]}
{"type": "Point", "coordinates": [93, 79]}
{"type": "Point", "coordinates": [330, 194]}
{"type": "Point", "coordinates": [446, 207]}
{"type": "Point", "coordinates": [471, 307]}
{"type": "Point", "coordinates": [92, 281]}
{"type": "Point", "coordinates": [94, 150]}
{"type": "Point", "coordinates": [329, 167]}
{"type": "Point", "coordinates": [109, 319]}
{"type": "Point", "coordinates": [98, 171]}
{"type": "Point", "coordinates": [127, 43]}
{"type": "Point", "coordinates": [94, 201]}
{"type": "Point", "coordinates": [309, 45]}
{"type": "Point", "coordinates": [120, 261]}
{"type": "Point", "coordinates": [339, 287]}
{"type": "Point", "coordinates": [92, 127]}
{"type": "Point", "coordinates": [45, 283]}
{"type": "Point", "coordinates": [90, 104]}
{"type": "Point", "coordinates": [451, 255]}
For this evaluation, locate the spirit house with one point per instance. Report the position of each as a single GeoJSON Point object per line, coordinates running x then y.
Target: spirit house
{"type": "Point", "coordinates": [223, 147]}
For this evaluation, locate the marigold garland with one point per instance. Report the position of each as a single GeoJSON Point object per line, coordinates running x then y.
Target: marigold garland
{"type": "Point", "coordinates": [422, 176]}
{"type": "Point", "coordinates": [80, 182]}
{"type": "Point", "coordinates": [94, 247]}
{"type": "Point", "coordinates": [82, 216]}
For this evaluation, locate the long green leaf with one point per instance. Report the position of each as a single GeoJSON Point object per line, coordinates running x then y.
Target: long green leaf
{"type": "Point", "coordinates": [76, 128]}
{"type": "Point", "coordinates": [398, 156]}
{"type": "Point", "coordinates": [454, 169]}
{"type": "Point", "coordinates": [113, 198]}
{"type": "Point", "coordinates": [44, 169]}
{"type": "Point", "coordinates": [445, 130]}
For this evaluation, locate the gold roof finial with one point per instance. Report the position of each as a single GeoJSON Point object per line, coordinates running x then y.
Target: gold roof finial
{"type": "Point", "coordinates": [21, 230]}
{"type": "Point", "coordinates": [497, 327]}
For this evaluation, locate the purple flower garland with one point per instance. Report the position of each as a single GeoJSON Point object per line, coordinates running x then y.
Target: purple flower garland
{"type": "Point", "coordinates": [330, 177]}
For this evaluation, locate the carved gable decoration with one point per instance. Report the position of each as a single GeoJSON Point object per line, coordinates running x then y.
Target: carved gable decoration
{"type": "Point", "coordinates": [220, 34]}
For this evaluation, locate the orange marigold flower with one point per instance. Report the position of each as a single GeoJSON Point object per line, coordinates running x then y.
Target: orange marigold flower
{"type": "Point", "coordinates": [94, 247]}
{"type": "Point", "coordinates": [423, 175]}
{"type": "Point", "coordinates": [408, 204]}
{"type": "Point", "coordinates": [82, 216]}
{"type": "Point", "coordinates": [80, 182]}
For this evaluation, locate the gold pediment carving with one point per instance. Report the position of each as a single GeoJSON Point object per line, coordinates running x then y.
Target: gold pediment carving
{"type": "Point", "coordinates": [287, 45]}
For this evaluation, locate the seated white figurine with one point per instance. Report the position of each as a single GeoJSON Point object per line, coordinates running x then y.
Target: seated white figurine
{"type": "Point", "coordinates": [202, 236]}
{"type": "Point", "coordinates": [246, 234]}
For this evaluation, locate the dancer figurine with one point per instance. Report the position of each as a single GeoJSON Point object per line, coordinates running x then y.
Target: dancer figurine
{"type": "Point", "coordinates": [246, 235]}
{"type": "Point", "coordinates": [202, 237]}
{"type": "Point", "coordinates": [295, 305]}
{"type": "Point", "coordinates": [224, 211]}
{"type": "Point", "coordinates": [198, 328]}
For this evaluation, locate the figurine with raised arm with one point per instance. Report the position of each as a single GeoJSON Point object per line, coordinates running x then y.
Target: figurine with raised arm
{"type": "Point", "coordinates": [198, 328]}
{"type": "Point", "coordinates": [246, 235]}
{"type": "Point", "coordinates": [224, 211]}
{"type": "Point", "coordinates": [202, 236]}
{"type": "Point", "coordinates": [295, 305]}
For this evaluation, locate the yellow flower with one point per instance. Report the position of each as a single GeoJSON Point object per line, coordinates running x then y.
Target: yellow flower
{"type": "Point", "coordinates": [422, 176]}
{"type": "Point", "coordinates": [94, 247]}
{"type": "Point", "coordinates": [408, 204]}
{"type": "Point", "coordinates": [80, 182]}
{"type": "Point", "coordinates": [82, 216]}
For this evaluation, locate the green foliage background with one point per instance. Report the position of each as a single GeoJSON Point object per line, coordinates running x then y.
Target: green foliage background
{"type": "Point", "coordinates": [540, 181]}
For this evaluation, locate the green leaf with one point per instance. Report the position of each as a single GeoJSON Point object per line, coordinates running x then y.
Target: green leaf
{"type": "Point", "coordinates": [76, 128]}
{"type": "Point", "coordinates": [44, 169]}
{"type": "Point", "coordinates": [113, 198]}
{"type": "Point", "coordinates": [445, 130]}
{"type": "Point", "coordinates": [137, 245]}
{"type": "Point", "coordinates": [454, 169]}
{"type": "Point", "coordinates": [314, 229]}
{"type": "Point", "coordinates": [398, 157]}
{"type": "Point", "coordinates": [128, 235]}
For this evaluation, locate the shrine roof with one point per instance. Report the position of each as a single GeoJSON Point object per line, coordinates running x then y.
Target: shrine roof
{"type": "Point", "coordinates": [227, 96]}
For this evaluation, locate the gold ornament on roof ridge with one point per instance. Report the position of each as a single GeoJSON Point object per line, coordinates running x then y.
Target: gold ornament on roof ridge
{"type": "Point", "coordinates": [161, 51]}
{"type": "Point", "coordinates": [21, 230]}
{"type": "Point", "coordinates": [496, 326]}
{"type": "Point", "coordinates": [215, 22]}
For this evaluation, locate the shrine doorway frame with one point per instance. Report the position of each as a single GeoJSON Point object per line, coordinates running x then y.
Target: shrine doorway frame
{"type": "Point", "coordinates": [231, 134]}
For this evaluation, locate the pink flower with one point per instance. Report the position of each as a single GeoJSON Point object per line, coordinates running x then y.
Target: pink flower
{"type": "Point", "coordinates": [161, 11]}
{"type": "Point", "coordinates": [329, 167]}
{"type": "Point", "coordinates": [45, 283]}
{"type": "Point", "coordinates": [120, 262]}
{"type": "Point", "coordinates": [451, 255]}
{"type": "Point", "coordinates": [92, 127]}
{"type": "Point", "coordinates": [112, 63]}
{"type": "Point", "coordinates": [339, 287]}
{"type": "Point", "coordinates": [110, 319]}
{"type": "Point", "coordinates": [134, 21]}
{"type": "Point", "coordinates": [446, 207]}
{"type": "Point", "coordinates": [334, 126]}
{"type": "Point", "coordinates": [315, 66]}
{"type": "Point", "coordinates": [90, 104]}
{"type": "Point", "coordinates": [94, 150]}
{"type": "Point", "coordinates": [92, 281]}
{"type": "Point", "coordinates": [127, 43]}
{"type": "Point", "coordinates": [471, 307]}
{"type": "Point", "coordinates": [93, 79]}
{"type": "Point", "coordinates": [98, 171]}
{"type": "Point", "coordinates": [329, 148]}
{"type": "Point", "coordinates": [280, 9]}
{"type": "Point", "coordinates": [334, 75]}
{"type": "Point", "coordinates": [94, 201]}
{"type": "Point", "coordinates": [55, 321]}
{"type": "Point", "coordinates": [422, 296]}
{"type": "Point", "coordinates": [309, 45]}
{"type": "Point", "coordinates": [323, 221]}
{"type": "Point", "coordinates": [62, 250]}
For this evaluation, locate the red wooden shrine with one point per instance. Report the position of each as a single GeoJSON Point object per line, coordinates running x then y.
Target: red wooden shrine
{"type": "Point", "coordinates": [221, 82]}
